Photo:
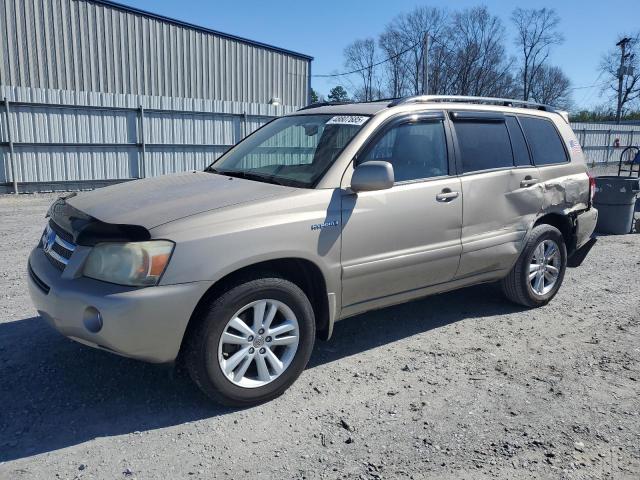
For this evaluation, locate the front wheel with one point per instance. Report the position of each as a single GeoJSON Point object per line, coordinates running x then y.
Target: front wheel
{"type": "Point", "coordinates": [252, 342]}
{"type": "Point", "coordinates": [537, 275]}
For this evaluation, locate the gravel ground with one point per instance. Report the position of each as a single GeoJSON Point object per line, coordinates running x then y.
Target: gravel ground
{"type": "Point", "coordinates": [459, 385]}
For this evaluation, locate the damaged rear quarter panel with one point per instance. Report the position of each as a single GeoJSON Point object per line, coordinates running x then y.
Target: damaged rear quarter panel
{"type": "Point", "coordinates": [565, 185]}
{"type": "Point", "coordinates": [565, 193]}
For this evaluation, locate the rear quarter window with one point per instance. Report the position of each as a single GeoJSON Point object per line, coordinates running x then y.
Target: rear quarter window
{"type": "Point", "coordinates": [483, 145]}
{"type": "Point", "coordinates": [544, 141]}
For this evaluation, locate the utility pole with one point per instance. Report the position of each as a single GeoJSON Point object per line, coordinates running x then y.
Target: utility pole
{"type": "Point", "coordinates": [425, 64]}
{"type": "Point", "coordinates": [621, 73]}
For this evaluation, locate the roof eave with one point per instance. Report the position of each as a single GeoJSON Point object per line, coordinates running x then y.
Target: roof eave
{"type": "Point", "coordinates": [181, 23]}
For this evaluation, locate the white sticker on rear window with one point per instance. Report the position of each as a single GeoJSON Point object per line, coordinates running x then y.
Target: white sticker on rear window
{"type": "Point", "coordinates": [347, 120]}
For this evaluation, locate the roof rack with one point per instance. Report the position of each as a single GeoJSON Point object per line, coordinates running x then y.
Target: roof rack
{"type": "Point", "coordinates": [329, 104]}
{"type": "Point", "coordinates": [505, 102]}
{"type": "Point", "coordinates": [323, 104]}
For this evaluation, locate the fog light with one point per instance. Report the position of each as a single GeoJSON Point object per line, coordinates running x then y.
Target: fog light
{"type": "Point", "coordinates": [92, 319]}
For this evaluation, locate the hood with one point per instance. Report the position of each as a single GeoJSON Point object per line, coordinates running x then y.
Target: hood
{"type": "Point", "coordinates": [153, 201]}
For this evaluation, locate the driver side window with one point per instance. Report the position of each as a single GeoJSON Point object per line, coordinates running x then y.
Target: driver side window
{"type": "Point", "coordinates": [416, 150]}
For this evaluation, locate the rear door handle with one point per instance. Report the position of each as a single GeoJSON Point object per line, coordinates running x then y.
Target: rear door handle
{"type": "Point", "coordinates": [446, 195]}
{"type": "Point", "coordinates": [528, 181]}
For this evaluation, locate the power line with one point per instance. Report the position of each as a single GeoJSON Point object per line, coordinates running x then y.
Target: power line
{"type": "Point", "coordinates": [431, 37]}
{"type": "Point", "coordinates": [445, 47]}
{"type": "Point", "coordinates": [589, 86]}
{"type": "Point", "coordinates": [582, 87]}
{"type": "Point", "coordinates": [435, 39]}
{"type": "Point", "coordinates": [388, 59]}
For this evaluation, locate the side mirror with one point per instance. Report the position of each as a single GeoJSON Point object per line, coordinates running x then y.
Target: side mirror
{"type": "Point", "coordinates": [374, 175]}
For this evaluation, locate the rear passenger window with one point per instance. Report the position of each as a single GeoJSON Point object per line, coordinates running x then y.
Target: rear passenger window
{"type": "Point", "coordinates": [483, 145]}
{"type": "Point", "coordinates": [416, 150]}
{"type": "Point", "coordinates": [518, 144]}
{"type": "Point", "coordinates": [546, 145]}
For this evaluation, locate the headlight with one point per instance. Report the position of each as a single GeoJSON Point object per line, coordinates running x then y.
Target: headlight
{"type": "Point", "coordinates": [135, 263]}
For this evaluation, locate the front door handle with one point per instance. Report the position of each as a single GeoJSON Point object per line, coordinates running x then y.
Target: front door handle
{"type": "Point", "coordinates": [446, 195]}
{"type": "Point", "coordinates": [528, 181]}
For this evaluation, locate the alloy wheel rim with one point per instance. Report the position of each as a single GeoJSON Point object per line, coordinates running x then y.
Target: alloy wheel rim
{"type": "Point", "coordinates": [258, 343]}
{"type": "Point", "coordinates": [544, 268]}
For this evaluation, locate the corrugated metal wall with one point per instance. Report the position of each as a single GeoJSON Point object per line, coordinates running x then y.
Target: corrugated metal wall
{"type": "Point", "coordinates": [77, 137]}
{"type": "Point", "coordinates": [598, 140]}
{"type": "Point", "coordinates": [102, 92]}
{"type": "Point", "coordinates": [91, 46]}
{"type": "Point", "coordinates": [71, 137]}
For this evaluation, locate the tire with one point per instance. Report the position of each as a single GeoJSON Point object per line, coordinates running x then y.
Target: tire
{"type": "Point", "coordinates": [207, 352]}
{"type": "Point", "coordinates": [517, 285]}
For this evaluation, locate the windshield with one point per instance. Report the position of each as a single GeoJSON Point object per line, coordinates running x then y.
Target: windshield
{"type": "Point", "coordinates": [295, 150]}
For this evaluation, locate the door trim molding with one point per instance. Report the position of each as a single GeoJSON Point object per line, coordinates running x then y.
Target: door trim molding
{"type": "Point", "coordinates": [402, 259]}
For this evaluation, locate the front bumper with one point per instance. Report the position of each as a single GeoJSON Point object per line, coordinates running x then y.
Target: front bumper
{"type": "Point", "coordinates": [143, 323]}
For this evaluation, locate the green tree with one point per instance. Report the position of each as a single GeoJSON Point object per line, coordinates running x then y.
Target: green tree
{"type": "Point", "coordinates": [338, 94]}
{"type": "Point", "coordinates": [314, 96]}
{"type": "Point", "coordinates": [603, 113]}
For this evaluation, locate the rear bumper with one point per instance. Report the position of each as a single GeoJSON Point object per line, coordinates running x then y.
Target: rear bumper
{"type": "Point", "coordinates": [142, 323]}
{"type": "Point", "coordinates": [585, 226]}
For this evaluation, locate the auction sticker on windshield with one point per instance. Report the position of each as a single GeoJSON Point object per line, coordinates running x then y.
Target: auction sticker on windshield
{"type": "Point", "coordinates": [347, 120]}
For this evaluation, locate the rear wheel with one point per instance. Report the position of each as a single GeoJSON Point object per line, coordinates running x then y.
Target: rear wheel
{"type": "Point", "coordinates": [537, 275]}
{"type": "Point", "coordinates": [252, 342]}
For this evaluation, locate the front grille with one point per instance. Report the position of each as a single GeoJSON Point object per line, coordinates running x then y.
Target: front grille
{"type": "Point", "coordinates": [38, 281]}
{"type": "Point", "coordinates": [62, 251]}
{"type": "Point", "coordinates": [56, 263]}
{"type": "Point", "coordinates": [57, 244]}
{"type": "Point", "coordinates": [62, 233]}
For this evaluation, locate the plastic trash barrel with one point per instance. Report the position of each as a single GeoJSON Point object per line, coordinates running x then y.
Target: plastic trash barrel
{"type": "Point", "coordinates": [615, 200]}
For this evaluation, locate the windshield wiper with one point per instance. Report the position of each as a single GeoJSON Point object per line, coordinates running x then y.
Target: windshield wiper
{"type": "Point", "coordinates": [251, 176]}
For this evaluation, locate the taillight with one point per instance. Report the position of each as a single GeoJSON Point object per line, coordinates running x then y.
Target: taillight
{"type": "Point", "coordinates": [592, 188]}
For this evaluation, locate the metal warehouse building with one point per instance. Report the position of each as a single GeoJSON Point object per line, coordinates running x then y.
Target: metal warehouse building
{"type": "Point", "coordinates": [95, 92]}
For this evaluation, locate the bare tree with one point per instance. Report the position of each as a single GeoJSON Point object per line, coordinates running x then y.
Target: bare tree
{"type": "Point", "coordinates": [551, 86]}
{"type": "Point", "coordinates": [536, 34]}
{"type": "Point", "coordinates": [479, 64]}
{"type": "Point", "coordinates": [623, 76]}
{"type": "Point", "coordinates": [392, 45]}
{"type": "Point", "coordinates": [360, 56]}
{"type": "Point", "coordinates": [412, 28]}
{"type": "Point", "coordinates": [467, 56]}
{"type": "Point", "coordinates": [441, 66]}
